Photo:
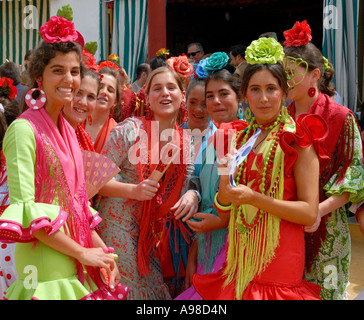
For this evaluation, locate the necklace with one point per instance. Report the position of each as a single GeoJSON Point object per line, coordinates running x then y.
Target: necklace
{"type": "Point", "coordinates": [268, 164]}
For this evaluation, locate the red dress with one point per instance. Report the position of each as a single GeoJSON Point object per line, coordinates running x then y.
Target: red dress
{"type": "Point", "coordinates": [283, 277]}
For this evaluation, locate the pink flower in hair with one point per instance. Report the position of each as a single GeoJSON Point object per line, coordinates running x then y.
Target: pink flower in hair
{"type": "Point", "coordinates": [59, 29]}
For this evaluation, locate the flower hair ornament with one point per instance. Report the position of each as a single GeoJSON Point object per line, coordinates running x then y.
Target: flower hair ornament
{"type": "Point", "coordinates": [299, 35]}
{"type": "Point", "coordinates": [264, 51]}
{"type": "Point", "coordinates": [163, 53]}
{"type": "Point", "coordinates": [180, 65]}
{"type": "Point", "coordinates": [108, 64]}
{"type": "Point", "coordinates": [60, 28]}
{"type": "Point", "coordinates": [214, 63]}
{"type": "Point", "coordinates": [7, 89]}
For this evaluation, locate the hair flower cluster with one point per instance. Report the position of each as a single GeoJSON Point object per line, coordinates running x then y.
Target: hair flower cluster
{"type": "Point", "coordinates": [217, 61]}
{"type": "Point", "coordinates": [89, 60]}
{"type": "Point", "coordinates": [299, 35]}
{"type": "Point", "coordinates": [162, 53]}
{"type": "Point", "coordinates": [108, 64]}
{"type": "Point", "coordinates": [7, 89]}
{"type": "Point", "coordinates": [264, 51]}
{"type": "Point", "coordinates": [181, 65]}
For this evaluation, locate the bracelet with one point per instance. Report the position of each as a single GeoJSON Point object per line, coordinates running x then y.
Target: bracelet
{"type": "Point", "coordinates": [220, 207]}
{"type": "Point", "coordinates": [198, 195]}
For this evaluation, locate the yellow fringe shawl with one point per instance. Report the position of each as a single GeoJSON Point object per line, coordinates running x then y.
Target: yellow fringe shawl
{"type": "Point", "coordinates": [251, 250]}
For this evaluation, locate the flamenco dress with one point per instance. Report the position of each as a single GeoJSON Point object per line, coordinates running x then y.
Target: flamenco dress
{"type": "Point", "coordinates": [280, 242]}
{"type": "Point", "coordinates": [47, 190]}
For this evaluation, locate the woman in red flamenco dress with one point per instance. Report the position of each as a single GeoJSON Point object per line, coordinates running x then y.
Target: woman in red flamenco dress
{"type": "Point", "coordinates": [276, 193]}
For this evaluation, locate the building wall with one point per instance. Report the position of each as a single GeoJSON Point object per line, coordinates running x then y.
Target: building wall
{"type": "Point", "coordinates": [86, 17]}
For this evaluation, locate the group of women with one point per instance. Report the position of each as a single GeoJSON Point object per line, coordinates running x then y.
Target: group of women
{"type": "Point", "coordinates": [192, 233]}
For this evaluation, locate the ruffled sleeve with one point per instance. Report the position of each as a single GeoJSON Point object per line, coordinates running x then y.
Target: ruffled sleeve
{"type": "Point", "coordinates": [353, 181]}
{"type": "Point", "coordinates": [24, 216]}
{"type": "Point", "coordinates": [311, 129]}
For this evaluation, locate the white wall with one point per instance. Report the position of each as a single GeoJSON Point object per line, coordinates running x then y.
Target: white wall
{"type": "Point", "coordinates": [86, 15]}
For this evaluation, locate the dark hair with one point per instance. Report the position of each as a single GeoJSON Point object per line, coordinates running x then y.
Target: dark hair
{"type": "Point", "coordinates": [269, 34]}
{"type": "Point", "coordinates": [94, 75]}
{"type": "Point", "coordinates": [157, 62]}
{"type": "Point", "coordinates": [142, 68]}
{"type": "Point", "coordinates": [194, 83]}
{"type": "Point", "coordinates": [40, 58]}
{"type": "Point", "coordinates": [313, 56]}
{"type": "Point", "coordinates": [238, 49]}
{"type": "Point", "coordinates": [10, 70]}
{"type": "Point", "coordinates": [114, 73]}
{"type": "Point", "coordinates": [228, 77]}
{"type": "Point", "coordinates": [276, 70]}
{"type": "Point", "coordinates": [11, 112]}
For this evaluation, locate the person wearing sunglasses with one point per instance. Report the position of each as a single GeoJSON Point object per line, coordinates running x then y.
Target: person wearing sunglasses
{"type": "Point", "coordinates": [195, 51]}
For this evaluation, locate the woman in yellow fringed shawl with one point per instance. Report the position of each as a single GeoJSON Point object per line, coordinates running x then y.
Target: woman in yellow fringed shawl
{"type": "Point", "coordinates": [276, 192]}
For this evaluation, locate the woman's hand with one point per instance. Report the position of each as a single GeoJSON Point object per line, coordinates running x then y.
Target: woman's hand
{"type": "Point", "coordinates": [96, 257]}
{"type": "Point", "coordinates": [223, 165]}
{"type": "Point", "coordinates": [115, 277]}
{"type": "Point", "coordinates": [314, 227]}
{"type": "Point", "coordinates": [209, 222]}
{"type": "Point", "coordinates": [186, 206]}
{"type": "Point", "coordinates": [240, 194]}
{"type": "Point", "coordinates": [145, 190]}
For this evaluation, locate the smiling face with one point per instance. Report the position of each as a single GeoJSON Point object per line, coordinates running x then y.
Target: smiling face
{"type": "Point", "coordinates": [107, 94]}
{"type": "Point", "coordinates": [83, 103]}
{"type": "Point", "coordinates": [164, 96]}
{"type": "Point", "coordinates": [222, 102]}
{"type": "Point", "coordinates": [264, 96]}
{"type": "Point", "coordinates": [61, 79]}
{"type": "Point", "coordinates": [198, 116]}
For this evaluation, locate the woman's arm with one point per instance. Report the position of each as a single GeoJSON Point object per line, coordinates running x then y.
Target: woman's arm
{"type": "Point", "coordinates": [145, 190]}
{"type": "Point", "coordinates": [302, 211]}
{"type": "Point", "coordinates": [59, 241]}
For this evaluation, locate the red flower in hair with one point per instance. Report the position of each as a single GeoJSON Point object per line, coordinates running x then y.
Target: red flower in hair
{"type": "Point", "coordinates": [89, 60]}
{"type": "Point", "coordinates": [180, 65]}
{"type": "Point", "coordinates": [7, 89]}
{"type": "Point", "coordinates": [299, 35]}
{"type": "Point", "coordinates": [108, 64]}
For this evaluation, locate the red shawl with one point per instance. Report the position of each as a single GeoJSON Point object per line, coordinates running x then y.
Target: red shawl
{"type": "Point", "coordinates": [103, 134]}
{"type": "Point", "coordinates": [334, 143]}
{"type": "Point", "coordinates": [156, 218]}
{"type": "Point", "coordinates": [84, 139]}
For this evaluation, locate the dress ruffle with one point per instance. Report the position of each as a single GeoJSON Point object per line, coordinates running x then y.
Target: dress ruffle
{"type": "Point", "coordinates": [212, 287]}
{"type": "Point", "coordinates": [63, 289]}
{"type": "Point", "coordinates": [311, 129]}
{"type": "Point", "coordinates": [20, 220]}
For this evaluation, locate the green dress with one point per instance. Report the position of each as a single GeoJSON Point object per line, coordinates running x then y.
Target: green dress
{"type": "Point", "coordinates": [43, 273]}
{"type": "Point", "coordinates": [330, 268]}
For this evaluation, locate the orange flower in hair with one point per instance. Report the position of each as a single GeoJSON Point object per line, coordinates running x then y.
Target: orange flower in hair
{"type": "Point", "coordinates": [108, 64]}
{"type": "Point", "coordinates": [180, 65]}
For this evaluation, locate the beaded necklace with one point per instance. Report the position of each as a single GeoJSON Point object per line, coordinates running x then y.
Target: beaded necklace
{"type": "Point", "coordinates": [268, 163]}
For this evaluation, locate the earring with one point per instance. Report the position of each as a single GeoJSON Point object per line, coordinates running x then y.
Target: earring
{"type": "Point", "coordinates": [35, 98]}
{"type": "Point", "coordinates": [90, 120]}
{"type": "Point", "coordinates": [240, 111]}
{"type": "Point", "coordinates": [311, 92]}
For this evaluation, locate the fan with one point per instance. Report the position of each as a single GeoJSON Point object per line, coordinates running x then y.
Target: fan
{"type": "Point", "coordinates": [169, 152]}
{"type": "Point", "coordinates": [98, 171]}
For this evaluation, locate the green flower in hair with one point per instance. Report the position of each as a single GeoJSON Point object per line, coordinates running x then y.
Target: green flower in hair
{"type": "Point", "coordinates": [326, 64]}
{"type": "Point", "coordinates": [264, 51]}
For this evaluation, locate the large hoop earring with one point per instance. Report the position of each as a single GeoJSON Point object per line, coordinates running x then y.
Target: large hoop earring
{"type": "Point", "coordinates": [35, 98]}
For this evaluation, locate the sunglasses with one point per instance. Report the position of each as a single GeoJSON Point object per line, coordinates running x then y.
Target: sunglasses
{"type": "Point", "coordinates": [192, 54]}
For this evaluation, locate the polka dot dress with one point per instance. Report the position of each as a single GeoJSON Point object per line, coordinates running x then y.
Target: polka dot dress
{"type": "Point", "coordinates": [8, 272]}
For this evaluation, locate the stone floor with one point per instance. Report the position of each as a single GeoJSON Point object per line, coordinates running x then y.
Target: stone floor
{"type": "Point", "coordinates": [356, 275]}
